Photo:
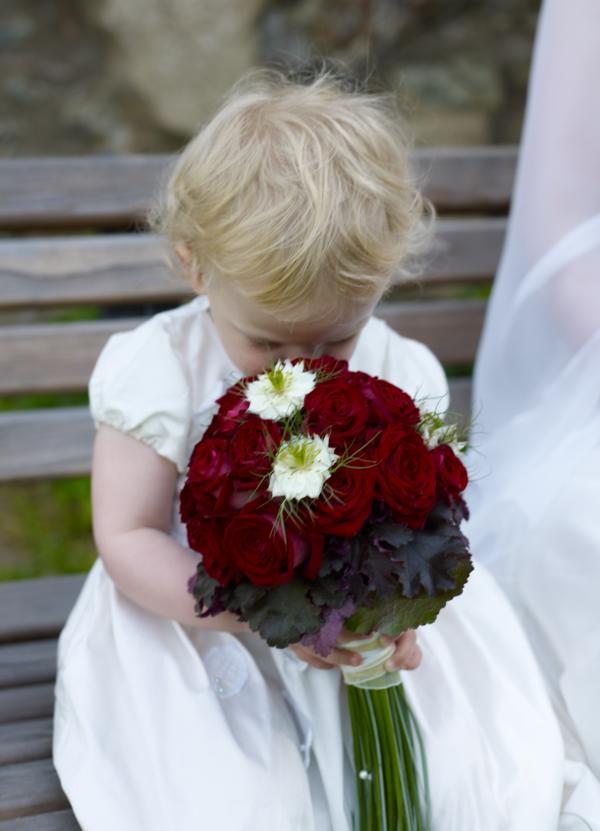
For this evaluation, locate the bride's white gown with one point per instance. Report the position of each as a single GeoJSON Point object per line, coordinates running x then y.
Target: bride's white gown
{"type": "Point", "coordinates": [536, 504]}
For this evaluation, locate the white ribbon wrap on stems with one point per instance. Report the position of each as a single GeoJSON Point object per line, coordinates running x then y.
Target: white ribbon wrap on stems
{"type": "Point", "coordinates": [371, 674]}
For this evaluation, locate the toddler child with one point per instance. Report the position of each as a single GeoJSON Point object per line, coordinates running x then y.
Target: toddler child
{"type": "Point", "coordinates": [289, 213]}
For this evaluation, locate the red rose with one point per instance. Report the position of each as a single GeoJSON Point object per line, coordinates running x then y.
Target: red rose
{"type": "Point", "coordinates": [406, 475]}
{"type": "Point", "coordinates": [308, 544]}
{"type": "Point", "coordinates": [232, 407]}
{"type": "Point", "coordinates": [252, 449]}
{"type": "Point", "coordinates": [326, 363]}
{"type": "Point", "coordinates": [389, 404]}
{"type": "Point", "coordinates": [195, 502]}
{"type": "Point", "coordinates": [207, 487]}
{"type": "Point", "coordinates": [205, 537]}
{"type": "Point", "coordinates": [265, 555]}
{"type": "Point", "coordinates": [345, 504]}
{"type": "Point", "coordinates": [338, 408]}
{"type": "Point", "coordinates": [209, 463]}
{"type": "Point", "coordinates": [452, 477]}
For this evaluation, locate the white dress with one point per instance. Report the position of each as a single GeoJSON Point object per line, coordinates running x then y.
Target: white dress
{"type": "Point", "coordinates": [535, 499]}
{"type": "Point", "coordinates": [161, 727]}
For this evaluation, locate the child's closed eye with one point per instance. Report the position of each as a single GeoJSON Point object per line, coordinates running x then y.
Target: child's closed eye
{"type": "Point", "coordinates": [341, 341]}
{"type": "Point", "coordinates": [272, 345]}
{"type": "Point", "coordinates": [265, 344]}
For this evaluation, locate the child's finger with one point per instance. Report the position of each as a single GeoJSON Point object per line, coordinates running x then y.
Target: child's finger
{"type": "Point", "coordinates": [410, 661]}
{"type": "Point", "coordinates": [407, 640]}
{"type": "Point", "coordinates": [344, 656]}
{"type": "Point", "coordinates": [406, 661]}
{"type": "Point", "coordinates": [405, 656]}
{"type": "Point", "coordinates": [318, 663]}
{"type": "Point", "coordinates": [414, 658]}
{"type": "Point", "coordinates": [309, 656]}
{"type": "Point", "coordinates": [403, 636]}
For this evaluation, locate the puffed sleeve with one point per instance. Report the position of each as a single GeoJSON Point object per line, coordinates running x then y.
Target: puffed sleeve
{"type": "Point", "coordinates": [139, 385]}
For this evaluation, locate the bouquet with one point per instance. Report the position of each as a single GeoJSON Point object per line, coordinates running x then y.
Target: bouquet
{"type": "Point", "coordinates": [322, 499]}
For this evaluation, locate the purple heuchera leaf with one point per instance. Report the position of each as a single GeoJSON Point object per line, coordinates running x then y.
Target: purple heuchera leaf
{"type": "Point", "coordinates": [216, 607]}
{"type": "Point", "coordinates": [325, 639]}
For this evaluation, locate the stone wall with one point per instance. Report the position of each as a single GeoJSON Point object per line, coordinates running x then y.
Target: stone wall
{"type": "Point", "coordinates": [115, 76]}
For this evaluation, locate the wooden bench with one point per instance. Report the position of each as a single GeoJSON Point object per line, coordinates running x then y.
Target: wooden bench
{"type": "Point", "coordinates": [70, 237]}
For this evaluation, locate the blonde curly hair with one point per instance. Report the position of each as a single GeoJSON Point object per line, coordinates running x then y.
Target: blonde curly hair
{"type": "Point", "coordinates": [295, 189]}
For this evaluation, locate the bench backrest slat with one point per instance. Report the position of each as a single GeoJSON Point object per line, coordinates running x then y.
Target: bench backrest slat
{"type": "Point", "coordinates": [53, 443]}
{"type": "Point", "coordinates": [41, 358]}
{"type": "Point", "coordinates": [113, 192]}
{"type": "Point", "coordinates": [123, 268]}
{"type": "Point", "coordinates": [38, 608]}
{"type": "Point", "coordinates": [30, 788]}
{"type": "Point", "coordinates": [46, 443]}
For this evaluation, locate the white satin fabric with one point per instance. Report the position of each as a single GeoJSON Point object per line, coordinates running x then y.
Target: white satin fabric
{"type": "Point", "coordinates": [535, 502]}
{"type": "Point", "coordinates": [160, 726]}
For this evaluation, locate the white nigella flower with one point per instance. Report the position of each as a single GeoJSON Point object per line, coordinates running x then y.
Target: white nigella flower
{"type": "Point", "coordinates": [433, 437]}
{"type": "Point", "coordinates": [435, 432]}
{"type": "Point", "coordinates": [280, 392]}
{"type": "Point", "coordinates": [301, 467]}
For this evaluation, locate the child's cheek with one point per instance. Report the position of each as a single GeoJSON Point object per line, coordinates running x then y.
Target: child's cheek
{"type": "Point", "coordinates": [343, 351]}
{"type": "Point", "coordinates": [254, 360]}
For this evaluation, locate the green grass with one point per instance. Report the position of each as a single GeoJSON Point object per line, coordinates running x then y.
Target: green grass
{"type": "Point", "coordinates": [71, 314]}
{"type": "Point", "coordinates": [45, 528]}
{"type": "Point", "coordinates": [36, 402]}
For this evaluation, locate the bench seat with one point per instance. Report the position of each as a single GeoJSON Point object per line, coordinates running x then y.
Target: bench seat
{"type": "Point", "coordinates": [32, 613]}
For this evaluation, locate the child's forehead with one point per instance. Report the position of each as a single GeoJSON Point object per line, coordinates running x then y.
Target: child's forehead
{"type": "Point", "coordinates": [303, 330]}
{"type": "Point", "coordinates": [310, 322]}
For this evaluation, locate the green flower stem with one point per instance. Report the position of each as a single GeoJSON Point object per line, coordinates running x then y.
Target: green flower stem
{"type": "Point", "coordinates": [363, 792]}
{"type": "Point", "coordinates": [393, 791]}
{"type": "Point", "coordinates": [394, 771]}
{"type": "Point", "coordinates": [380, 771]}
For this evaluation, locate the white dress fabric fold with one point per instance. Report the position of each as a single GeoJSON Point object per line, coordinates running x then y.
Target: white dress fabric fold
{"type": "Point", "coordinates": [160, 726]}
{"type": "Point", "coordinates": [535, 497]}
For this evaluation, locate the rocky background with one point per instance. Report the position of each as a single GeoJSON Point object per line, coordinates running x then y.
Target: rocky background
{"type": "Point", "coordinates": [123, 76]}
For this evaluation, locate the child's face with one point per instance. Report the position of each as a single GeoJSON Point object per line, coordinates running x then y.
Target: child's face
{"type": "Point", "coordinates": [254, 338]}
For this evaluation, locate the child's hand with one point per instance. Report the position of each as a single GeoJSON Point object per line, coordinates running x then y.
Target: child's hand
{"type": "Point", "coordinates": [408, 653]}
{"type": "Point", "coordinates": [406, 656]}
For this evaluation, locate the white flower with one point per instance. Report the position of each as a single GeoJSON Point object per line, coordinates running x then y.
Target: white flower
{"type": "Point", "coordinates": [435, 432]}
{"type": "Point", "coordinates": [301, 467]}
{"type": "Point", "coordinates": [280, 392]}
{"type": "Point", "coordinates": [433, 437]}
